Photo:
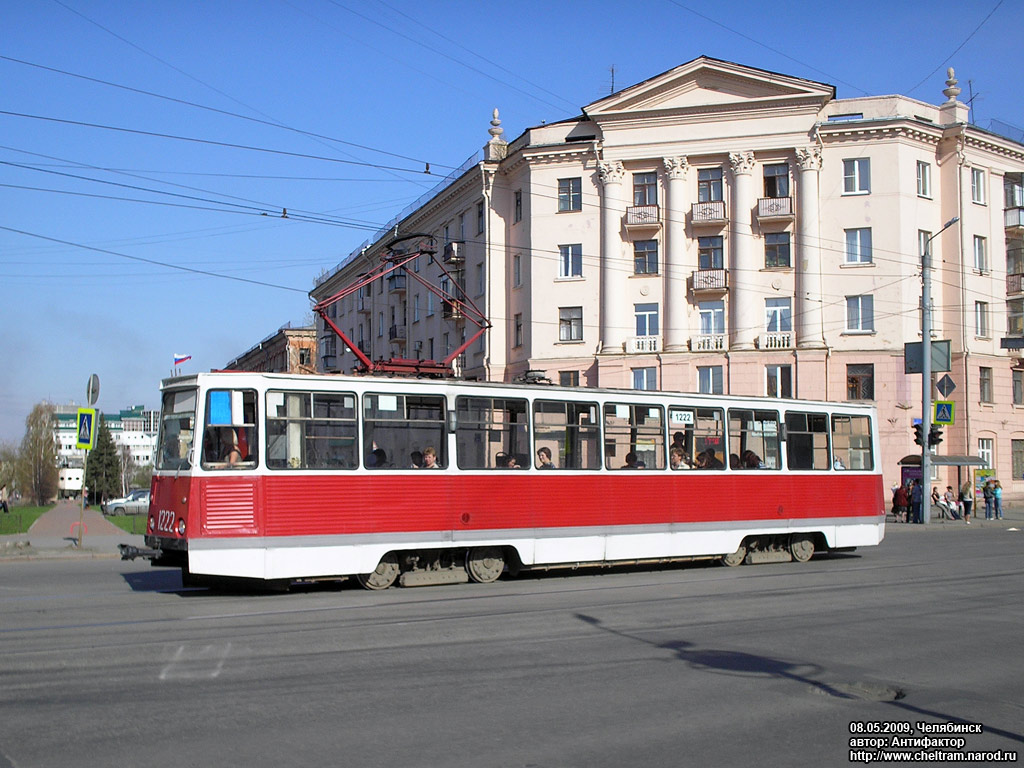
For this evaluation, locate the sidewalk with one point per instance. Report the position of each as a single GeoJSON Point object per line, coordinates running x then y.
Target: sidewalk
{"type": "Point", "coordinates": [1013, 517]}
{"type": "Point", "coordinates": [55, 535]}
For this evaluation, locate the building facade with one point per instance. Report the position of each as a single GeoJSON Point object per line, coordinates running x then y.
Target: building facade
{"type": "Point", "coordinates": [719, 228]}
{"type": "Point", "coordinates": [133, 429]}
{"type": "Point", "coordinates": [287, 350]}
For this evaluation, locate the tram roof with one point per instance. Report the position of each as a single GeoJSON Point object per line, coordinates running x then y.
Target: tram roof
{"type": "Point", "coordinates": [538, 388]}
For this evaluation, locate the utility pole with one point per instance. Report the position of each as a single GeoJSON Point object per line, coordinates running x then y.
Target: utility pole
{"type": "Point", "coordinates": [926, 371]}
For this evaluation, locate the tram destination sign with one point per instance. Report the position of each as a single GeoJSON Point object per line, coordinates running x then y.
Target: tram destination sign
{"type": "Point", "coordinates": [913, 358]}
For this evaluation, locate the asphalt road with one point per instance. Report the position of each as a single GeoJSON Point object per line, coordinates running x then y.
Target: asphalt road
{"type": "Point", "coordinates": [110, 663]}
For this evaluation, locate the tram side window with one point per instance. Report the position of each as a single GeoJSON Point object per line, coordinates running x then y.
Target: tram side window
{"type": "Point", "coordinates": [634, 436]}
{"type": "Point", "coordinates": [851, 442]}
{"type": "Point", "coordinates": [807, 440]}
{"type": "Point", "coordinates": [570, 431]}
{"type": "Point", "coordinates": [177, 425]}
{"type": "Point", "coordinates": [397, 429]}
{"type": "Point", "coordinates": [699, 434]}
{"type": "Point", "coordinates": [311, 430]}
{"type": "Point", "coordinates": [754, 441]}
{"type": "Point", "coordinates": [491, 433]}
{"type": "Point", "coordinates": [229, 439]}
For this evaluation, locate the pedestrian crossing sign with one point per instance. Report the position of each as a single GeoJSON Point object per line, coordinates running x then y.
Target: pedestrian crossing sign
{"type": "Point", "coordinates": [943, 412]}
{"type": "Point", "coordinates": [86, 428]}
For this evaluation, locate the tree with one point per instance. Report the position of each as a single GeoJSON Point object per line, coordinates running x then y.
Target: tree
{"type": "Point", "coordinates": [37, 457]}
{"type": "Point", "coordinates": [103, 466]}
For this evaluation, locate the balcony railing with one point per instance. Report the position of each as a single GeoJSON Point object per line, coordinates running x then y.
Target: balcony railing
{"type": "Point", "coordinates": [641, 344]}
{"type": "Point", "coordinates": [708, 213]}
{"type": "Point", "coordinates": [774, 207]}
{"type": "Point", "coordinates": [1013, 217]}
{"type": "Point", "coordinates": [709, 342]}
{"type": "Point", "coordinates": [775, 340]}
{"type": "Point", "coordinates": [710, 280]}
{"type": "Point", "coordinates": [396, 283]}
{"type": "Point", "coordinates": [451, 310]}
{"type": "Point", "coordinates": [1015, 284]}
{"type": "Point", "coordinates": [397, 333]}
{"type": "Point", "coordinates": [642, 216]}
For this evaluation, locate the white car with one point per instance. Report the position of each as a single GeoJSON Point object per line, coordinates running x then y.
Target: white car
{"type": "Point", "coordinates": [135, 503]}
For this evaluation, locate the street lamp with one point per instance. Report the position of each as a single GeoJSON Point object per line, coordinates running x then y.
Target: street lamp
{"type": "Point", "coordinates": [926, 369]}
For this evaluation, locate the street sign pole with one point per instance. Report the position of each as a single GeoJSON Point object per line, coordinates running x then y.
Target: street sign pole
{"type": "Point", "coordinates": [92, 393]}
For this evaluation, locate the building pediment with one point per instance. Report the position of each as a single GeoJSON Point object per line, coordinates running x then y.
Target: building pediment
{"type": "Point", "coordinates": [707, 84]}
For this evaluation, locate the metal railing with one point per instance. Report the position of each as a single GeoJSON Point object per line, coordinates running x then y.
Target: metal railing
{"type": "Point", "coordinates": [711, 212]}
{"type": "Point", "coordinates": [710, 280]}
{"type": "Point", "coordinates": [638, 215]}
{"type": "Point", "coordinates": [767, 207]}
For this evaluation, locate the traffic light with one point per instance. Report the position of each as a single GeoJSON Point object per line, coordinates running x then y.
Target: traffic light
{"type": "Point", "coordinates": [919, 434]}
{"type": "Point", "coordinates": [934, 435]}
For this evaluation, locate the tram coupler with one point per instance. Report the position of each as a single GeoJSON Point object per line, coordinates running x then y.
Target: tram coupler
{"type": "Point", "coordinates": [130, 552]}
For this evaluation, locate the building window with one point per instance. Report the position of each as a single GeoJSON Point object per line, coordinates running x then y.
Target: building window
{"type": "Point", "coordinates": [462, 227]}
{"type": "Point", "coordinates": [924, 179]}
{"type": "Point", "coordinates": [985, 385]}
{"type": "Point", "coordinates": [776, 249]}
{"type": "Point", "coordinates": [570, 195]}
{"type": "Point", "coordinates": [645, 257]}
{"type": "Point", "coordinates": [923, 240]}
{"type": "Point", "coordinates": [645, 378]}
{"type": "Point", "coordinates": [569, 378]}
{"type": "Point", "coordinates": [380, 323]}
{"type": "Point", "coordinates": [778, 381]}
{"type": "Point", "coordinates": [858, 245]}
{"type": "Point", "coordinates": [860, 313]}
{"type": "Point", "coordinates": [1015, 317]}
{"type": "Point", "coordinates": [776, 180]}
{"type": "Point", "coordinates": [857, 176]}
{"type": "Point", "coordinates": [416, 308]}
{"type": "Point", "coordinates": [480, 218]}
{"type": "Point", "coordinates": [709, 185]}
{"type": "Point", "coordinates": [1017, 457]}
{"type": "Point", "coordinates": [430, 304]}
{"type": "Point", "coordinates": [447, 234]}
{"type": "Point", "coordinates": [860, 382]}
{"type": "Point", "coordinates": [480, 282]}
{"type": "Point", "coordinates": [778, 315]}
{"type": "Point", "coordinates": [518, 332]}
{"type": "Point", "coordinates": [570, 260]}
{"type": "Point", "coordinates": [517, 270]}
{"type": "Point", "coordinates": [709, 379]}
{"type": "Point", "coordinates": [981, 319]}
{"type": "Point", "coordinates": [712, 317]}
{"type": "Point", "coordinates": [980, 253]}
{"type": "Point", "coordinates": [1018, 387]}
{"type": "Point", "coordinates": [646, 319]}
{"type": "Point", "coordinates": [570, 324]}
{"type": "Point", "coordinates": [978, 186]}
{"type": "Point", "coordinates": [709, 252]}
{"type": "Point", "coordinates": [986, 450]}
{"type": "Point", "coordinates": [517, 215]}
{"type": "Point", "coordinates": [645, 188]}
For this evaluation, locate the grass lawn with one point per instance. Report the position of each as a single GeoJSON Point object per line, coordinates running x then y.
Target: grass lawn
{"type": "Point", "coordinates": [130, 523]}
{"type": "Point", "coordinates": [20, 518]}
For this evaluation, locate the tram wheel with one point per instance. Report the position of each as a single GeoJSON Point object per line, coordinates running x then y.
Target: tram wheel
{"type": "Point", "coordinates": [801, 546]}
{"type": "Point", "coordinates": [384, 575]}
{"type": "Point", "coordinates": [735, 558]}
{"type": "Point", "coordinates": [485, 564]}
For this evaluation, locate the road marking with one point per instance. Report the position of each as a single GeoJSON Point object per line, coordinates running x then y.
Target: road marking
{"type": "Point", "coordinates": [192, 662]}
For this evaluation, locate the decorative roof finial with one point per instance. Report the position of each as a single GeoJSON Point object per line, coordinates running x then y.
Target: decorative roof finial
{"type": "Point", "coordinates": [495, 130]}
{"type": "Point", "coordinates": [951, 91]}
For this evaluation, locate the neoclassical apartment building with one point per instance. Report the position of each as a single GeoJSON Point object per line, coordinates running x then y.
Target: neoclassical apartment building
{"type": "Point", "coordinates": [720, 228]}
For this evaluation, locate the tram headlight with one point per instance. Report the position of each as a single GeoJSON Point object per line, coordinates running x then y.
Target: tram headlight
{"type": "Point", "coordinates": [181, 526]}
{"type": "Point", "coordinates": [152, 523]}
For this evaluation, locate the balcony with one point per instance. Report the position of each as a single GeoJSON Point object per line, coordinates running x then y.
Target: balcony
{"type": "Point", "coordinates": [710, 213]}
{"type": "Point", "coordinates": [1014, 284]}
{"type": "Point", "coordinates": [363, 304]}
{"type": "Point", "coordinates": [774, 208]}
{"type": "Point", "coordinates": [775, 340]}
{"type": "Point", "coordinates": [710, 280]}
{"type": "Point", "coordinates": [1013, 218]}
{"type": "Point", "coordinates": [396, 333]}
{"type": "Point", "coordinates": [396, 283]}
{"type": "Point", "coordinates": [709, 342]}
{"type": "Point", "coordinates": [638, 345]}
{"type": "Point", "coordinates": [454, 253]}
{"type": "Point", "coordinates": [641, 216]}
{"type": "Point", "coordinates": [451, 310]}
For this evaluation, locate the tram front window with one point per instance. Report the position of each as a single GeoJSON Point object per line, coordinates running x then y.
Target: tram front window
{"type": "Point", "coordinates": [177, 422]}
{"type": "Point", "coordinates": [229, 438]}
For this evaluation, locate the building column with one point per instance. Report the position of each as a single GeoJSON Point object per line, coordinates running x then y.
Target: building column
{"type": "Point", "coordinates": [614, 310]}
{"type": "Point", "coordinates": [673, 303]}
{"type": "Point", "coordinates": [746, 307]}
{"type": "Point", "coordinates": [809, 299]}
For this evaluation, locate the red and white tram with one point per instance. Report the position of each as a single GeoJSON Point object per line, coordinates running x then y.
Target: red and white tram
{"type": "Point", "coordinates": [278, 478]}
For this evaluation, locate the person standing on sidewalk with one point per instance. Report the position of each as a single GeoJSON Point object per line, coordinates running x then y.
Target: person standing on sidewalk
{"type": "Point", "coordinates": [916, 499]}
{"type": "Point", "coordinates": [997, 499]}
{"type": "Point", "coordinates": [986, 491]}
{"type": "Point", "coordinates": [967, 499]}
{"type": "Point", "coordinates": [3, 499]}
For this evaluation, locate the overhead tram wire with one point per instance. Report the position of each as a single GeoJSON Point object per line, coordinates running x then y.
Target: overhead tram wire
{"type": "Point", "coordinates": [185, 102]}
{"type": "Point", "coordinates": [155, 262]}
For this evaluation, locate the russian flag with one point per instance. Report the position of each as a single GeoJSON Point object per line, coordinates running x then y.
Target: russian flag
{"type": "Point", "coordinates": [179, 359]}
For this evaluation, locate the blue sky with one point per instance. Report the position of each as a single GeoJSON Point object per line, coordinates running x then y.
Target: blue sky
{"type": "Point", "coordinates": [218, 115]}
